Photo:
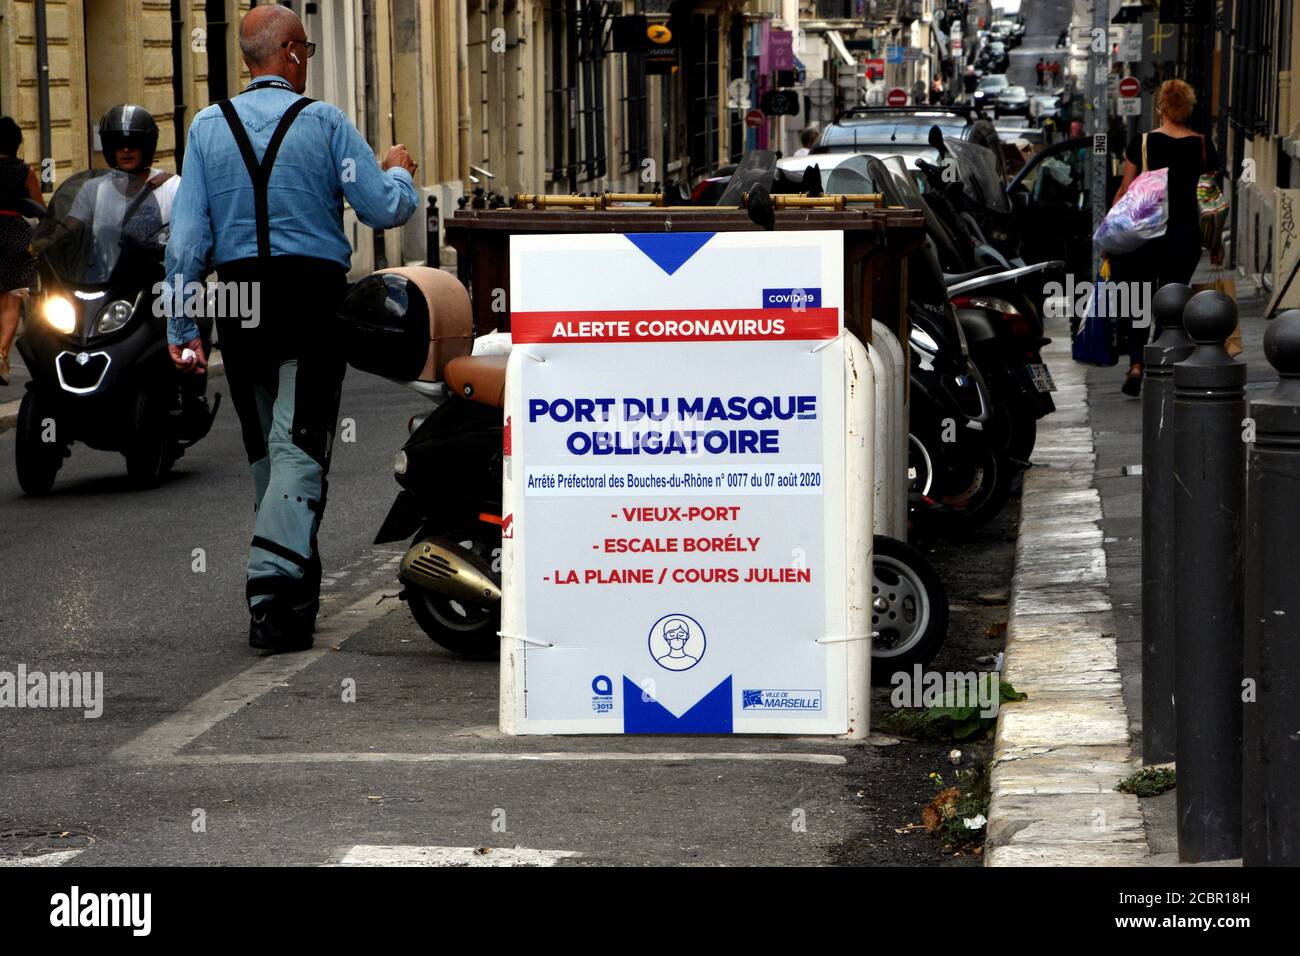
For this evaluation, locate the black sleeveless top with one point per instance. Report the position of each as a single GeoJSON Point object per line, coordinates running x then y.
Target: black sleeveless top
{"type": "Point", "coordinates": [1183, 158]}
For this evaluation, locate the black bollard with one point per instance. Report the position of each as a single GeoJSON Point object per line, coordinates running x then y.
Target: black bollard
{"type": "Point", "coordinates": [1209, 501]}
{"type": "Point", "coordinates": [432, 243]}
{"type": "Point", "coordinates": [1170, 346]}
{"type": "Point", "coordinates": [1271, 725]}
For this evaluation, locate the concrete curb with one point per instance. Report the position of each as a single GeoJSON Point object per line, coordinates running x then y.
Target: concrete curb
{"type": "Point", "coordinates": [9, 410]}
{"type": "Point", "coordinates": [1059, 753]}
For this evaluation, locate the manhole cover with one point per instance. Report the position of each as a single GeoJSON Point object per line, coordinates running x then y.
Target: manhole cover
{"type": "Point", "coordinates": [38, 841]}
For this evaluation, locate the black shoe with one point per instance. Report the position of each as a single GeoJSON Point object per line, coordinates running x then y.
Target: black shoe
{"type": "Point", "coordinates": [1132, 384]}
{"type": "Point", "coordinates": [270, 628]}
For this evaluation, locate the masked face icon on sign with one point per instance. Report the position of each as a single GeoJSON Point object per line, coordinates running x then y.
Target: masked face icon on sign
{"type": "Point", "coordinates": [678, 648]}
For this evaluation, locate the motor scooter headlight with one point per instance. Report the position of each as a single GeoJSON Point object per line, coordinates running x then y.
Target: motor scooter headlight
{"type": "Point", "coordinates": [113, 317]}
{"type": "Point", "coordinates": [399, 463]}
{"type": "Point", "coordinates": [60, 314]}
{"type": "Point", "coordinates": [924, 340]}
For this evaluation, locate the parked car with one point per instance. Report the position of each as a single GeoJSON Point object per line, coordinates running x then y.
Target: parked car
{"type": "Point", "coordinates": [884, 131]}
{"type": "Point", "coordinates": [995, 58]}
{"type": "Point", "coordinates": [1009, 32]}
{"type": "Point", "coordinates": [1012, 101]}
{"type": "Point", "coordinates": [990, 86]}
{"type": "Point", "coordinates": [1044, 106]}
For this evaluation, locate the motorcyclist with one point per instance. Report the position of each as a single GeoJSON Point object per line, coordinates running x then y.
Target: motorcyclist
{"type": "Point", "coordinates": [136, 200]}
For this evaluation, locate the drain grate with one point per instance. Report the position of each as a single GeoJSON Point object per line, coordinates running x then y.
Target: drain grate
{"type": "Point", "coordinates": [40, 840]}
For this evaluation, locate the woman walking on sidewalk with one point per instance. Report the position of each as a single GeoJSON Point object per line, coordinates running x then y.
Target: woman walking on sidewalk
{"type": "Point", "coordinates": [1172, 257]}
{"type": "Point", "coordinates": [17, 267]}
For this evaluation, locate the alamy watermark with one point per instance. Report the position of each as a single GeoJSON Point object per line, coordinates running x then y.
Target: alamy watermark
{"type": "Point", "coordinates": [1073, 299]}
{"type": "Point", "coordinates": [214, 298]}
{"type": "Point", "coordinates": [922, 688]}
{"type": "Point", "coordinates": [83, 690]}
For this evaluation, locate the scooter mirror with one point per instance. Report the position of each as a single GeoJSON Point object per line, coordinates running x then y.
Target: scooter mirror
{"type": "Point", "coordinates": [936, 140]}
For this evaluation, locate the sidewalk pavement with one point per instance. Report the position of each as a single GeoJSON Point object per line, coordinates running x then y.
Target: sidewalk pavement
{"type": "Point", "coordinates": [1117, 432]}
{"type": "Point", "coordinates": [1074, 635]}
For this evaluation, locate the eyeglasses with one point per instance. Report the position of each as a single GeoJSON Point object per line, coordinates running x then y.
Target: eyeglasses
{"type": "Point", "coordinates": [307, 44]}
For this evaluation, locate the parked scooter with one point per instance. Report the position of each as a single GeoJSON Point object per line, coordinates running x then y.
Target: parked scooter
{"type": "Point", "coordinates": [960, 477]}
{"type": "Point", "coordinates": [449, 469]}
{"type": "Point", "coordinates": [95, 346]}
{"type": "Point", "coordinates": [998, 308]}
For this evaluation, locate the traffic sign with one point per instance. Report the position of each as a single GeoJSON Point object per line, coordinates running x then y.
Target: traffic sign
{"type": "Point", "coordinates": [821, 92]}
{"type": "Point", "coordinates": [755, 118]}
{"type": "Point", "coordinates": [1129, 106]}
{"type": "Point", "coordinates": [896, 97]}
{"type": "Point", "coordinates": [780, 103]}
{"type": "Point", "coordinates": [1129, 86]}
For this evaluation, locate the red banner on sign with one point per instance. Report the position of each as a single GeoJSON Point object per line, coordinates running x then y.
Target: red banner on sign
{"type": "Point", "coordinates": [676, 325]}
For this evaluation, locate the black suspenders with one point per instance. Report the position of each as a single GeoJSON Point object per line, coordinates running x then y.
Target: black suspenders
{"type": "Point", "coordinates": [260, 173]}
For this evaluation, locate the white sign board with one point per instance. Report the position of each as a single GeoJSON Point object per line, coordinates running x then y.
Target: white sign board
{"type": "Point", "coordinates": [1130, 106]}
{"type": "Point", "coordinates": [675, 532]}
{"type": "Point", "coordinates": [1130, 43]}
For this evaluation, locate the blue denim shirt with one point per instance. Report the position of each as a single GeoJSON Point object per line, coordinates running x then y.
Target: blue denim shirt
{"type": "Point", "coordinates": [322, 160]}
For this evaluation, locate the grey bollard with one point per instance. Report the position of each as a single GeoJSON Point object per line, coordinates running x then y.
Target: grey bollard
{"type": "Point", "coordinates": [1170, 346]}
{"type": "Point", "coordinates": [1209, 501]}
{"type": "Point", "coordinates": [1271, 727]}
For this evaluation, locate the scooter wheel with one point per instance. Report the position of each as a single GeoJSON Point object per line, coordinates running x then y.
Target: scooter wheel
{"type": "Point", "coordinates": [468, 631]}
{"type": "Point", "coordinates": [147, 447]}
{"type": "Point", "coordinates": [909, 609]}
{"type": "Point", "coordinates": [37, 460]}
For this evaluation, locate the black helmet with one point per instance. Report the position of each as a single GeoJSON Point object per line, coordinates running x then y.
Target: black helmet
{"type": "Point", "coordinates": [128, 125]}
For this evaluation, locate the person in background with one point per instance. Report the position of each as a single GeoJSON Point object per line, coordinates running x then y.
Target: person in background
{"type": "Point", "coordinates": [1055, 70]}
{"type": "Point", "coordinates": [969, 80]}
{"type": "Point", "coordinates": [1040, 68]}
{"type": "Point", "coordinates": [17, 268]}
{"type": "Point", "coordinates": [918, 92]}
{"type": "Point", "coordinates": [1174, 256]}
{"type": "Point", "coordinates": [807, 140]}
{"type": "Point", "coordinates": [936, 91]}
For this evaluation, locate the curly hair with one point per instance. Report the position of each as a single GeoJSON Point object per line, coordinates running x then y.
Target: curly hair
{"type": "Point", "coordinates": [1175, 101]}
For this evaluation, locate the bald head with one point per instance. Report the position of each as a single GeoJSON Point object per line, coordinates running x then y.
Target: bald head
{"type": "Point", "coordinates": [263, 32]}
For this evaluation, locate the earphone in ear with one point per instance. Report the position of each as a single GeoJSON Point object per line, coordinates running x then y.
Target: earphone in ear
{"type": "Point", "coordinates": [294, 57]}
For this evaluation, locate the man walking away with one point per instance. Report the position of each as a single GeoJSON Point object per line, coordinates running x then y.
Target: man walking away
{"type": "Point", "coordinates": [1040, 68]}
{"type": "Point", "coordinates": [266, 175]}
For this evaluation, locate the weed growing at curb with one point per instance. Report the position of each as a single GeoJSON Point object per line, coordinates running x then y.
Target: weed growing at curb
{"type": "Point", "coordinates": [1148, 782]}
{"type": "Point", "coordinates": [947, 722]}
{"type": "Point", "coordinates": [958, 814]}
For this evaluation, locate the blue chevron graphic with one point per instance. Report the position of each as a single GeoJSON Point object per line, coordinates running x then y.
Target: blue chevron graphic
{"type": "Point", "coordinates": [711, 714]}
{"type": "Point", "coordinates": [669, 250]}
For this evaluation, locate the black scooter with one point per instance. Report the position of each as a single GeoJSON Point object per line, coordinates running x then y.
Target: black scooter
{"type": "Point", "coordinates": [95, 344]}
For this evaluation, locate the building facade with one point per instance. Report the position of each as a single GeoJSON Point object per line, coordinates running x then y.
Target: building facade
{"type": "Point", "coordinates": [506, 96]}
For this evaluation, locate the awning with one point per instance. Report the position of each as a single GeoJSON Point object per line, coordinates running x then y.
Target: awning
{"type": "Point", "coordinates": [837, 44]}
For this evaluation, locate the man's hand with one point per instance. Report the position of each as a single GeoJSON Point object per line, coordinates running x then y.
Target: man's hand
{"type": "Point", "coordinates": [399, 156]}
{"type": "Point", "coordinates": [189, 357]}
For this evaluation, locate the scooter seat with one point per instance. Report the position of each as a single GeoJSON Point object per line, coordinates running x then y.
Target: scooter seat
{"type": "Point", "coordinates": [951, 279]}
{"type": "Point", "coordinates": [480, 378]}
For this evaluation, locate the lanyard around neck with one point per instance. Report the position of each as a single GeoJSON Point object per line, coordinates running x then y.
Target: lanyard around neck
{"type": "Point", "coordinates": [263, 84]}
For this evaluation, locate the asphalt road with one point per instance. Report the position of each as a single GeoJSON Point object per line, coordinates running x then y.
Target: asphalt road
{"type": "Point", "coordinates": [1044, 20]}
{"type": "Point", "coordinates": [206, 753]}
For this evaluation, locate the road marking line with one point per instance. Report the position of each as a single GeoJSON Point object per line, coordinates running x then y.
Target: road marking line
{"type": "Point", "coordinates": [57, 858]}
{"type": "Point", "coordinates": [451, 856]}
{"type": "Point", "coordinates": [213, 760]}
{"type": "Point", "coordinates": [164, 739]}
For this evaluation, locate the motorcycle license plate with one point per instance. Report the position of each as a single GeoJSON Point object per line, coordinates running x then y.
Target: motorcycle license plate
{"type": "Point", "coordinates": [1041, 377]}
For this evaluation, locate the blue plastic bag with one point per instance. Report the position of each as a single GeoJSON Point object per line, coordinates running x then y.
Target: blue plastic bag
{"type": "Point", "coordinates": [1094, 340]}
